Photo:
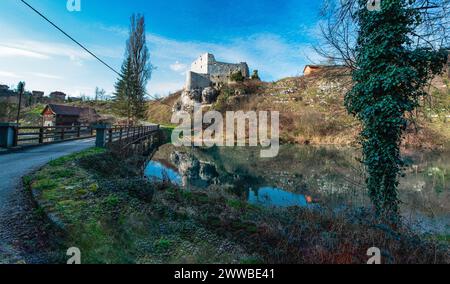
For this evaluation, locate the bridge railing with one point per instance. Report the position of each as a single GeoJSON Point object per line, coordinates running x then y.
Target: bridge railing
{"type": "Point", "coordinates": [13, 135]}
{"type": "Point", "coordinates": [29, 135]}
{"type": "Point", "coordinates": [113, 135]}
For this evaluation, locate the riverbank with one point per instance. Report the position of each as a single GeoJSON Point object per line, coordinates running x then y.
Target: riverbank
{"type": "Point", "coordinates": [104, 207]}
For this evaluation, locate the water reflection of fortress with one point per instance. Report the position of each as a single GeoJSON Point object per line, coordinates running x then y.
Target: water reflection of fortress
{"type": "Point", "coordinates": [186, 170]}
{"type": "Point", "coordinates": [333, 176]}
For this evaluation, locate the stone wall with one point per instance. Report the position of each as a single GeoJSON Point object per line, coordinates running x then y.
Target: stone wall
{"type": "Point", "coordinates": [221, 72]}
{"type": "Point", "coordinates": [197, 81]}
{"type": "Point", "coordinates": [206, 68]}
{"type": "Point", "coordinates": [201, 64]}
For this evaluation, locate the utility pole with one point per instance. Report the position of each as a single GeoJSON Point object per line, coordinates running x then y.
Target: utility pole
{"type": "Point", "coordinates": [20, 89]}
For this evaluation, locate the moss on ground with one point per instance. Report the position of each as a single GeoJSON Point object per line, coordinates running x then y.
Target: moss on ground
{"type": "Point", "coordinates": [111, 221]}
{"type": "Point", "coordinates": [121, 218]}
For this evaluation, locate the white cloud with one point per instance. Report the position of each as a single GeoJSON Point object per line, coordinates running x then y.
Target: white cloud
{"type": "Point", "coordinates": [164, 88]}
{"type": "Point", "coordinates": [46, 76]}
{"type": "Point", "coordinates": [118, 30]}
{"type": "Point", "coordinates": [274, 56]}
{"type": "Point", "coordinates": [79, 91]}
{"type": "Point", "coordinates": [8, 51]}
{"type": "Point", "coordinates": [8, 74]}
{"type": "Point", "coordinates": [178, 67]}
{"type": "Point", "coordinates": [42, 50]}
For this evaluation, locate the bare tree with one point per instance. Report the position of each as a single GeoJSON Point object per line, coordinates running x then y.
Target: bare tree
{"type": "Point", "coordinates": [339, 28]}
{"type": "Point", "coordinates": [99, 94]}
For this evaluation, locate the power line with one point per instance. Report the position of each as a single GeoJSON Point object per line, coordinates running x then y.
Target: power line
{"type": "Point", "coordinates": [71, 38]}
{"type": "Point", "coordinates": [79, 44]}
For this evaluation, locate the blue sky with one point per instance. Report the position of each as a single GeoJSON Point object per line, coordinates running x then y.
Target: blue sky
{"type": "Point", "coordinates": [274, 37]}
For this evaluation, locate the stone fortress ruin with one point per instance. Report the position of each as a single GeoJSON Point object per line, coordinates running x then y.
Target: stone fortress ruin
{"type": "Point", "coordinates": [206, 72]}
{"type": "Point", "coordinates": [204, 79]}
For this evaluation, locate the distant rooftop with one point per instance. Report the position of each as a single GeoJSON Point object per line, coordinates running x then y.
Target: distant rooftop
{"type": "Point", "coordinates": [68, 110]}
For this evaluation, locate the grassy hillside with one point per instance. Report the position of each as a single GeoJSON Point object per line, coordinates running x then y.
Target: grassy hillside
{"type": "Point", "coordinates": [312, 110]}
{"type": "Point", "coordinates": [161, 111]}
{"type": "Point", "coordinates": [31, 116]}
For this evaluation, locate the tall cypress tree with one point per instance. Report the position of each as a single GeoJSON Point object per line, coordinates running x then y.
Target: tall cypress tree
{"type": "Point", "coordinates": [389, 81]}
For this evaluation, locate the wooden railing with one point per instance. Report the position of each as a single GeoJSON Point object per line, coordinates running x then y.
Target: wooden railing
{"type": "Point", "coordinates": [128, 135]}
{"type": "Point", "coordinates": [12, 135]}
{"type": "Point", "coordinates": [30, 135]}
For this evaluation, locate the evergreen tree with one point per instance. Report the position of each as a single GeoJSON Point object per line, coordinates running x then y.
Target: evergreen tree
{"type": "Point", "coordinates": [122, 95]}
{"type": "Point", "coordinates": [390, 77]}
{"type": "Point", "coordinates": [130, 95]}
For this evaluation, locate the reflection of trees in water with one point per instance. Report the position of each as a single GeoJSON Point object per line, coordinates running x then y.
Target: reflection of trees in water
{"type": "Point", "coordinates": [303, 170]}
{"type": "Point", "coordinates": [329, 174]}
{"type": "Point", "coordinates": [194, 171]}
{"type": "Point", "coordinates": [204, 173]}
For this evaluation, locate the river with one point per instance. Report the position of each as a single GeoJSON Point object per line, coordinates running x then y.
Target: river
{"type": "Point", "coordinates": [308, 176]}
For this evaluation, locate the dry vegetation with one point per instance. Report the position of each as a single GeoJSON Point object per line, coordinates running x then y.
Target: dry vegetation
{"type": "Point", "coordinates": [312, 110]}
{"type": "Point", "coordinates": [161, 111]}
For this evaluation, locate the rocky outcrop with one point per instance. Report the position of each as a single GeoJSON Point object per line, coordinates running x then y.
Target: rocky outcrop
{"type": "Point", "coordinates": [196, 96]}
{"type": "Point", "coordinates": [209, 95]}
{"type": "Point", "coordinates": [187, 100]}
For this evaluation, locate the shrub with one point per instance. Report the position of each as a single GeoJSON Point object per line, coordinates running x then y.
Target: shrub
{"type": "Point", "coordinates": [255, 75]}
{"type": "Point", "coordinates": [107, 165]}
{"type": "Point", "coordinates": [237, 77]}
{"type": "Point", "coordinates": [136, 187]}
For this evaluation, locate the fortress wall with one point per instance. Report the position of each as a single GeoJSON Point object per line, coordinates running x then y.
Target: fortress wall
{"type": "Point", "coordinates": [196, 81]}
{"type": "Point", "coordinates": [201, 64]}
{"type": "Point", "coordinates": [206, 70]}
{"type": "Point", "coordinates": [222, 71]}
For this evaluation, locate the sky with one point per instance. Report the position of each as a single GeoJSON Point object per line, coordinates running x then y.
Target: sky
{"type": "Point", "coordinates": [272, 36]}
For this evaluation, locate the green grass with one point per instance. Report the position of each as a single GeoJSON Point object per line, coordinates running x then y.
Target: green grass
{"type": "Point", "coordinates": [251, 261]}
{"type": "Point", "coordinates": [111, 224]}
{"type": "Point", "coordinates": [163, 244]}
{"type": "Point", "coordinates": [444, 238]}
{"type": "Point", "coordinates": [109, 219]}
{"type": "Point", "coordinates": [36, 109]}
{"type": "Point", "coordinates": [72, 157]}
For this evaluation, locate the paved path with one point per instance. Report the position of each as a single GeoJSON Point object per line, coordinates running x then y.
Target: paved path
{"type": "Point", "coordinates": [21, 233]}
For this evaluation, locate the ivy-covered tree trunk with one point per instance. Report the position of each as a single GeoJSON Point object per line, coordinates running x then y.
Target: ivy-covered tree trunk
{"type": "Point", "coordinates": [389, 80]}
